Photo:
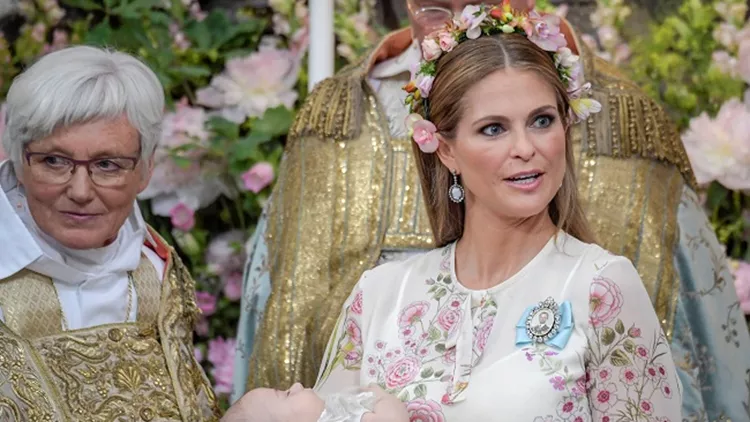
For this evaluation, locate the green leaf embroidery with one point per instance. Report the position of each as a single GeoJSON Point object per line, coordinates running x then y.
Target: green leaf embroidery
{"type": "Point", "coordinates": [421, 391]}
{"type": "Point", "coordinates": [440, 347]}
{"type": "Point", "coordinates": [440, 293]}
{"type": "Point", "coordinates": [427, 372]}
{"type": "Point", "coordinates": [608, 336]}
{"type": "Point", "coordinates": [434, 334]}
{"type": "Point", "coordinates": [619, 358]}
{"type": "Point", "coordinates": [404, 396]}
{"type": "Point", "coordinates": [439, 373]}
{"type": "Point", "coordinates": [619, 327]}
{"type": "Point", "coordinates": [629, 346]}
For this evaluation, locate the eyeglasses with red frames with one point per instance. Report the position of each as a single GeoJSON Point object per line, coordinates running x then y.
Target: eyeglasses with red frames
{"type": "Point", "coordinates": [56, 169]}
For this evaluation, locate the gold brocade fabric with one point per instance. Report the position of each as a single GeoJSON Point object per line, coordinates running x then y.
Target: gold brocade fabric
{"type": "Point", "coordinates": [348, 191]}
{"type": "Point", "coordinates": [139, 371]}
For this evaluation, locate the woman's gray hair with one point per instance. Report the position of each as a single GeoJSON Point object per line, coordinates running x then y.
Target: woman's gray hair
{"type": "Point", "coordinates": [78, 85]}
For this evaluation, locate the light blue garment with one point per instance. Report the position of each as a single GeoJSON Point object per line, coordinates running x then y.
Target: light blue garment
{"type": "Point", "coordinates": [558, 339]}
{"type": "Point", "coordinates": [711, 343]}
{"type": "Point", "coordinates": [256, 288]}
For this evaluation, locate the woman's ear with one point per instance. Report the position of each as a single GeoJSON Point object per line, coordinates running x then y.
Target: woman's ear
{"type": "Point", "coordinates": [446, 153]}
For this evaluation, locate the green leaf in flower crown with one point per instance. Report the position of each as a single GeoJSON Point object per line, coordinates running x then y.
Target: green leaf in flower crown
{"type": "Point", "coordinates": [275, 121]}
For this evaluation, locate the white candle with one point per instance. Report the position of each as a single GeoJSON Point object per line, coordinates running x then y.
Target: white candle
{"type": "Point", "coordinates": [322, 43]}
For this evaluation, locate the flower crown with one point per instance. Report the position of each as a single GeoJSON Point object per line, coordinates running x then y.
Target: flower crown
{"type": "Point", "coordinates": [475, 21]}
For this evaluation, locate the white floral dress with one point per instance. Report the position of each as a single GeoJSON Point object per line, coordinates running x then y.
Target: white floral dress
{"type": "Point", "coordinates": [454, 354]}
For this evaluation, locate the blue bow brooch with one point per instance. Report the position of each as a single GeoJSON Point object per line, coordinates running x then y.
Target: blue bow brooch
{"type": "Point", "coordinates": [546, 322]}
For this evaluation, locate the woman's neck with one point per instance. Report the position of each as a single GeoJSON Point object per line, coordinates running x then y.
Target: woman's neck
{"type": "Point", "coordinates": [492, 249]}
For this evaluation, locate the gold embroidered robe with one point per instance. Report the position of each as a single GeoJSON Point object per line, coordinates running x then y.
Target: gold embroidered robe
{"type": "Point", "coordinates": [136, 371]}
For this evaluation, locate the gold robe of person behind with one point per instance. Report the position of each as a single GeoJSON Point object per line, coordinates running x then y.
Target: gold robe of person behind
{"type": "Point", "coordinates": [348, 190]}
{"type": "Point", "coordinates": [143, 370]}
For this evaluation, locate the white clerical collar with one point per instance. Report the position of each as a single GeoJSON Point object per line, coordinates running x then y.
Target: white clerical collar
{"type": "Point", "coordinates": [35, 250]}
{"type": "Point", "coordinates": [397, 65]}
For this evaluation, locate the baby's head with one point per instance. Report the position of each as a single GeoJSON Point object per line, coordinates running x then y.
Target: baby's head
{"type": "Point", "coordinates": [297, 404]}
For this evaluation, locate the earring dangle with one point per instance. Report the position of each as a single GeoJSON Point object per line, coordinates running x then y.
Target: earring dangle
{"type": "Point", "coordinates": [456, 191]}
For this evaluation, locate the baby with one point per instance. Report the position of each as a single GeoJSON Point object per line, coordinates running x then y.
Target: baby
{"type": "Point", "coordinates": [299, 404]}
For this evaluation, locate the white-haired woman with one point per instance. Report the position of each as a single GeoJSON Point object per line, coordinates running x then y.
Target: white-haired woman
{"type": "Point", "coordinates": [96, 311]}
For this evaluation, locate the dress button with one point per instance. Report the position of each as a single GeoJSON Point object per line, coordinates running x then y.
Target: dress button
{"type": "Point", "coordinates": [147, 414]}
{"type": "Point", "coordinates": [115, 334]}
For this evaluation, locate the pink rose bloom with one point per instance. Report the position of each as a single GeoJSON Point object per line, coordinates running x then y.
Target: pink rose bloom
{"type": "Point", "coordinates": [483, 334]}
{"type": "Point", "coordinates": [719, 149]}
{"type": "Point", "coordinates": [233, 286]}
{"type": "Point", "coordinates": [546, 33]}
{"type": "Point", "coordinates": [634, 332]}
{"type": "Point", "coordinates": [448, 319]}
{"type": "Point", "coordinates": [225, 254]}
{"type": "Point", "coordinates": [206, 303]}
{"type": "Point", "coordinates": [431, 49]}
{"type": "Point", "coordinates": [471, 19]}
{"type": "Point", "coordinates": [353, 331]}
{"type": "Point", "coordinates": [250, 85]}
{"type": "Point", "coordinates": [422, 410]}
{"type": "Point", "coordinates": [742, 285]}
{"type": "Point", "coordinates": [401, 372]}
{"type": "Point", "coordinates": [605, 299]}
{"type": "Point", "coordinates": [424, 136]}
{"type": "Point", "coordinates": [413, 313]}
{"type": "Point", "coordinates": [258, 177]}
{"type": "Point", "coordinates": [198, 354]}
{"type": "Point", "coordinates": [356, 306]}
{"type": "Point", "coordinates": [221, 355]}
{"type": "Point", "coordinates": [182, 217]}
{"type": "Point", "coordinates": [447, 41]}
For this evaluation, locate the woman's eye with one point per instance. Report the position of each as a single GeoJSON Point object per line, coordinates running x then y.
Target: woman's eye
{"type": "Point", "coordinates": [492, 130]}
{"type": "Point", "coordinates": [542, 122]}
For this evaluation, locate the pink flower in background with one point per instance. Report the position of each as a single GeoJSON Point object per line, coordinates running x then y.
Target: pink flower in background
{"type": "Point", "coordinates": [233, 286]}
{"type": "Point", "coordinates": [206, 303]}
{"type": "Point", "coordinates": [39, 32]}
{"type": "Point", "coordinates": [724, 61]}
{"type": "Point", "coordinates": [742, 284]}
{"type": "Point", "coordinates": [182, 217]}
{"type": "Point", "coordinates": [726, 35]}
{"type": "Point", "coordinates": [258, 177]}
{"type": "Point", "coordinates": [608, 36]}
{"type": "Point", "coordinates": [59, 40]}
{"type": "Point", "coordinates": [187, 181]}
{"type": "Point", "coordinates": [198, 353]}
{"type": "Point", "coordinates": [605, 300]}
{"type": "Point", "coordinates": [719, 148]}
{"type": "Point", "coordinates": [225, 253]}
{"type": "Point", "coordinates": [221, 355]}
{"type": "Point", "coordinates": [201, 328]}
{"type": "Point", "coordinates": [251, 85]}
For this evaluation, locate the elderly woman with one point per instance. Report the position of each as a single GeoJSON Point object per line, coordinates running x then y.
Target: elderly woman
{"type": "Point", "coordinates": [96, 310]}
{"type": "Point", "coordinates": [517, 315]}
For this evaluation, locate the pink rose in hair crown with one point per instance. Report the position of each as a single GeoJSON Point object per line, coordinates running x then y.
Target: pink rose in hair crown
{"type": "Point", "coordinates": [422, 132]}
{"type": "Point", "coordinates": [470, 19]}
{"type": "Point", "coordinates": [447, 41]}
{"type": "Point", "coordinates": [258, 177]}
{"type": "Point", "coordinates": [546, 32]}
{"type": "Point", "coordinates": [431, 49]}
